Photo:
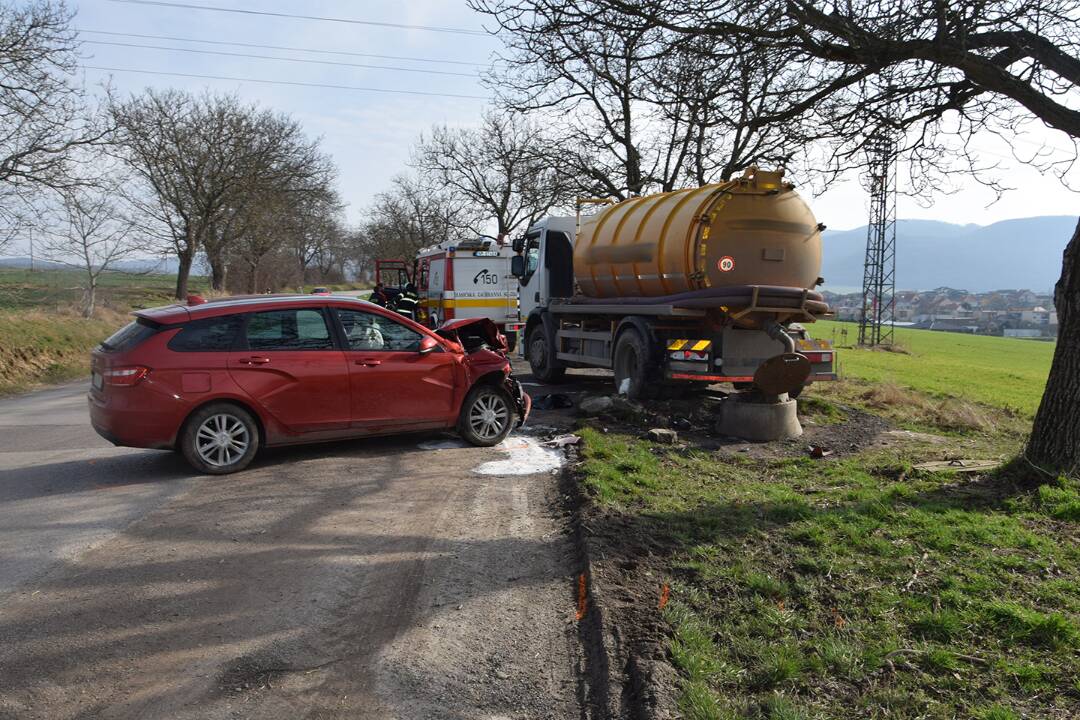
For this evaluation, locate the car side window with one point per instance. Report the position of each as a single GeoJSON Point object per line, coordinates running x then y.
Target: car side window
{"type": "Point", "coordinates": [373, 332]}
{"type": "Point", "coordinates": [297, 329]}
{"type": "Point", "coordinates": [210, 335]}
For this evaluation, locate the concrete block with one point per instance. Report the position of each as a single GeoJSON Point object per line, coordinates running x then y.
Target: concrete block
{"type": "Point", "coordinates": [758, 420]}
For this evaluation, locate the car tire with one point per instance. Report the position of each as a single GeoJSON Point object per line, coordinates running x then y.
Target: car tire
{"type": "Point", "coordinates": [487, 416]}
{"type": "Point", "coordinates": [220, 438]}
{"type": "Point", "coordinates": [631, 362]}
{"type": "Point", "coordinates": [540, 359]}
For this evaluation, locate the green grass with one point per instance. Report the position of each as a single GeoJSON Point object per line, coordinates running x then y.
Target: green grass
{"type": "Point", "coordinates": [856, 587]}
{"type": "Point", "coordinates": [44, 339]}
{"type": "Point", "coordinates": [61, 290]}
{"type": "Point", "coordinates": [1000, 372]}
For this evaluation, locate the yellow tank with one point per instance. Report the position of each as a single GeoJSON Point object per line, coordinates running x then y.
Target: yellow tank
{"type": "Point", "coordinates": [754, 230]}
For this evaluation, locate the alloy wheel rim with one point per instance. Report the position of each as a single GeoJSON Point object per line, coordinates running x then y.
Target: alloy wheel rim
{"type": "Point", "coordinates": [222, 440]}
{"type": "Point", "coordinates": [488, 416]}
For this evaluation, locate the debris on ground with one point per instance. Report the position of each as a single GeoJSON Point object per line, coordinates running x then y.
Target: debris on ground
{"type": "Point", "coordinates": [962, 466]}
{"type": "Point", "coordinates": [664, 436]}
{"type": "Point", "coordinates": [595, 405]}
{"type": "Point", "coordinates": [817, 452]}
{"type": "Point", "coordinates": [554, 401]}
{"type": "Point", "coordinates": [628, 410]}
{"type": "Point", "coordinates": [681, 423]}
{"type": "Point", "coordinates": [562, 441]}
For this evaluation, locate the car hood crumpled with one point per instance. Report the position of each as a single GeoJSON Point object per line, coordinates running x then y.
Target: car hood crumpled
{"type": "Point", "coordinates": [460, 330]}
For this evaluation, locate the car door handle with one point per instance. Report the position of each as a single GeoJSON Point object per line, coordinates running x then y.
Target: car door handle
{"type": "Point", "coordinates": [368, 362]}
{"type": "Point", "coordinates": [254, 360]}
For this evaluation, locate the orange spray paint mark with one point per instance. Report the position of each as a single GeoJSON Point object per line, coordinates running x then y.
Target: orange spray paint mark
{"type": "Point", "coordinates": [665, 595]}
{"type": "Point", "coordinates": [582, 599]}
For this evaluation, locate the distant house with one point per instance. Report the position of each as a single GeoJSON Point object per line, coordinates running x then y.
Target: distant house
{"type": "Point", "coordinates": [1036, 316]}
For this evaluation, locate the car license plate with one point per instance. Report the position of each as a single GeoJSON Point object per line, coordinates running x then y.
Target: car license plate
{"type": "Point", "coordinates": [96, 381]}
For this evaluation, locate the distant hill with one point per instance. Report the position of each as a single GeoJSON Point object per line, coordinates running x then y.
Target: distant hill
{"type": "Point", "coordinates": [1022, 253]}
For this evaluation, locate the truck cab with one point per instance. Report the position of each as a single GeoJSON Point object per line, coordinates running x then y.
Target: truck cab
{"type": "Point", "coordinates": [547, 251]}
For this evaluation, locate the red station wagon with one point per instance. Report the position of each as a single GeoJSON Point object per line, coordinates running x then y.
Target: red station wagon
{"type": "Point", "coordinates": [218, 380]}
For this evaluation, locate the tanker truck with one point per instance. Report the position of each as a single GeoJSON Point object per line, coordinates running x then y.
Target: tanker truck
{"type": "Point", "coordinates": [705, 285]}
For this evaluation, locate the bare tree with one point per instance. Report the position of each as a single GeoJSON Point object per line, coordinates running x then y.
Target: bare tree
{"type": "Point", "coordinates": [591, 77]}
{"type": "Point", "coordinates": [42, 111]}
{"type": "Point", "coordinates": [315, 234]}
{"type": "Point", "coordinates": [92, 232]}
{"type": "Point", "coordinates": [204, 160]}
{"type": "Point", "coordinates": [505, 169]}
{"type": "Point", "coordinates": [642, 108]}
{"type": "Point", "coordinates": [409, 217]}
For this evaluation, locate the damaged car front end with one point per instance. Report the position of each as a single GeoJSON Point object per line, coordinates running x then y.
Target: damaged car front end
{"type": "Point", "coordinates": [485, 350]}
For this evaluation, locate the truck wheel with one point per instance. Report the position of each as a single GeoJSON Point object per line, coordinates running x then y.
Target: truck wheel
{"type": "Point", "coordinates": [487, 416]}
{"type": "Point", "coordinates": [632, 364]}
{"type": "Point", "coordinates": [511, 341]}
{"type": "Point", "coordinates": [541, 358]}
{"type": "Point", "coordinates": [220, 438]}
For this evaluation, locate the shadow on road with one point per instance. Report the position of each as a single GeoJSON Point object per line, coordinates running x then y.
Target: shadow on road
{"type": "Point", "coordinates": [291, 577]}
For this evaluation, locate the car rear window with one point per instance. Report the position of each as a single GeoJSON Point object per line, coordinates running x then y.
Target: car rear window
{"type": "Point", "coordinates": [209, 335]}
{"type": "Point", "coordinates": [130, 336]}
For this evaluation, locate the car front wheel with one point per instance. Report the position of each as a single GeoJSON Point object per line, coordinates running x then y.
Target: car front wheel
{"type": "Point", "coordinates": [220, 438]}
{"type": "Point", "coordinates": [487, 416]}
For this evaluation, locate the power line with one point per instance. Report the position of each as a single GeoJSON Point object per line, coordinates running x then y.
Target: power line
{"type": "Point", "coordinates": [271, 57]}
{"type": "Point", "coordinates": [278, 47]}
{"type": "Point", "coordinates": [190, 6]}
{"type": "Point", "coordinates": [285, 82]}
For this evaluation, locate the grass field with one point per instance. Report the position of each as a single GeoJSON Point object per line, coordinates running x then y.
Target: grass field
{"type": "Point", "coordinates": [856, 588]}
{"type": "Point", "coordinates": [44, 339]}
{"type": "Point", "coordinates": [1001, 372]}
{"type": "Point", "coordinates": [859, 586]}
{"type": "Point", "coordinates": [62, 290]}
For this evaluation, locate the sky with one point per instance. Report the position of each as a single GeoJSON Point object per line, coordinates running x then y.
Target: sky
{"type": "Point", "coordinates": [368, 132]}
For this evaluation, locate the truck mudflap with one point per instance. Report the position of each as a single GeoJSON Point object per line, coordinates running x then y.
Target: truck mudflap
{"type": "Point", "coordinates": [522, 401]}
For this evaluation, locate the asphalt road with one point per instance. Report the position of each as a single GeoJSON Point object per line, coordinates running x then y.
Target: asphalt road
{"type": "Point", "coordinates": [381, 578]}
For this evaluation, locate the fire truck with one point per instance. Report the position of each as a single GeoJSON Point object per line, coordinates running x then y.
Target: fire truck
{"type": "Point", "coordinates": [469, 279]}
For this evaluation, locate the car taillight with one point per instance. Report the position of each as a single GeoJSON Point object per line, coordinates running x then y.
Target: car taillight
{"type": "Point", "coordinates": [125, 376]}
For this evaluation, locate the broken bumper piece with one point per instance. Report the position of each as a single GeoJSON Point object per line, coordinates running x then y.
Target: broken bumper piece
{"type": "Point", "coordinates": [522, 401]}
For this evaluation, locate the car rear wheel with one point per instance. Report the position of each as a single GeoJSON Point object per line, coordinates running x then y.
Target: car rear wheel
{"type": "Point", "coordinates": [220, 438]}
{"type": "Point", "coordinates": [487, 416]}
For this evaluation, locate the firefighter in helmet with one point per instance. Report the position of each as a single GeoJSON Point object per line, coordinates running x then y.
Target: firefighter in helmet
{"type": "Point", "coordinates": [408, 302]}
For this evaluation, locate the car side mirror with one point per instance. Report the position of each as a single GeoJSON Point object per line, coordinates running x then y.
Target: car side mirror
{"type": "Point", "coordinates": [427, 344]}
{"type": "Point", "coordinates": [517, 266]}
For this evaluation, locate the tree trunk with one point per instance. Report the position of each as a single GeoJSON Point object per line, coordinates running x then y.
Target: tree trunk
{"type": "Point", "coordinates": [1054, 445]}
{"type": "Point", "coordinates": [91, 299]}
{"type": "Point", "coordinates": [182, 273]}
{"type": "Point", "coordinates": [218, 271]}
